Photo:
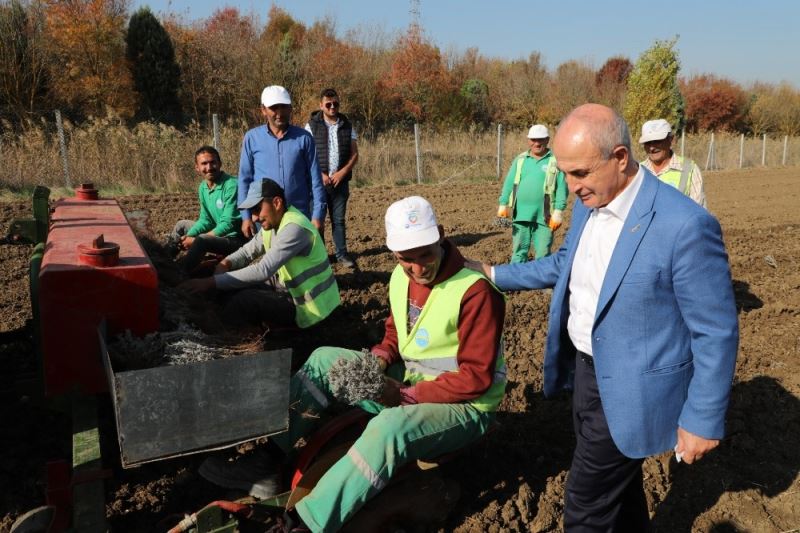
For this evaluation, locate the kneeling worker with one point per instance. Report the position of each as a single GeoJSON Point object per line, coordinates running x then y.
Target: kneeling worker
{"type": "Point", "coordinates": [289, 245]}
{"type": "Point", "coordinates": [217, 230]}
{"type": "Point", "coordinates": [442, 339]}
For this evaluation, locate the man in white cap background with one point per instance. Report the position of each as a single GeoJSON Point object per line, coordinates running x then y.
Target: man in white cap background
{"type": "Point", "coordinates": [283, 153]}
{"type": "Point", "coordinates": [682, 173]}
{"type": "Point", "coordinates": [443, 347]}
{"type": "Point", "coordinates": [288, 245]}
{"type": "Point", "coordinates": [534, 196]}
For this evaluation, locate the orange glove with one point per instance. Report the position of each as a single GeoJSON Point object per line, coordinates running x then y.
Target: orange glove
{"type": "Point", "coordinates": [555, 220]}
{"type": "Point", "coordinates": [502, 211]}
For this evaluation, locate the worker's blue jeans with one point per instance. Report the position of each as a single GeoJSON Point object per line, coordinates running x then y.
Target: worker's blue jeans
{"type": "Point", "coordinates": [337, 207]}
{"type": "Point", "coordinates": [394, 437]}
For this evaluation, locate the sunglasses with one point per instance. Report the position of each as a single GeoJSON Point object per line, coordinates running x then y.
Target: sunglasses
{"type": "Point", "coordinates": [332, 105]}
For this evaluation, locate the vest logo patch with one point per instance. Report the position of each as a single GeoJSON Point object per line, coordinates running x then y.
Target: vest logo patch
{"type": "Point", "coordinates": [422, 338]}
{"type": "Point", "coordinates": [220, 203]}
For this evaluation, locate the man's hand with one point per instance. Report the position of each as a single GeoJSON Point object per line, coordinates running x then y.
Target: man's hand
{"type": "Point", "coordinates": [691, 447]}
{"type": "Point", "coordinates": [336, 178]}
{"type": "Point", "coordinates": [502, 211]}
{"type": "Point", "coordinates": [326, 179]}
{"type": "Point", "coordinates": [194, 286]}
{"type": "Point", "coordinates": [556, 219]}
{"type": "Point", "coordinates": [222, 267]}
{"type": "Point", "coordinates": [319, 225]}
{"type": "Point", "coordinates": [186, 242]}
{"type": "Point", "coordinates": [381, 361]}
{"type": "Point", "coordinates": [391, 393]}
{"type": "Point", "coordinates": [477, 266]}
{"type": "Point", "coordinates": [248, 228]}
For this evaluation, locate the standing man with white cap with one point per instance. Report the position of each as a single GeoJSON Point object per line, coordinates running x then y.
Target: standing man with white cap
{"type": "Point", "coordinates": [285, 154]}
{"type": "Point", "coordinates": [682, 173]}
{"type": "Point", "coordinates": [443, 346]}
{"type": "Point", "coordinates": [534, 196]}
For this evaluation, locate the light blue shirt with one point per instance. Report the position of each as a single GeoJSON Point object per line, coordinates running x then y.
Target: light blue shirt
{"type": "Point", "coordinates": [290, 161]}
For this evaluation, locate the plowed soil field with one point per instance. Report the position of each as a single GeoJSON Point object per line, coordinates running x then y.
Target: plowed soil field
{"type": "Point", "coordinates": [513, 480]}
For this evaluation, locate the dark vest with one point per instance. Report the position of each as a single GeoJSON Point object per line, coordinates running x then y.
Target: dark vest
{"type": "Point", "coordinates": [320, 133]}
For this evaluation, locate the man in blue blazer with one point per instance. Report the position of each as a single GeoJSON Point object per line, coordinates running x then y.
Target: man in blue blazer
{"type": "Point", "coordinates": [642, 324]}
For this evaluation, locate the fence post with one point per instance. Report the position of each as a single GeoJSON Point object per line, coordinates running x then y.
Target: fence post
{"type": "Point", "coordinates": [741, 150]}
{"type": "Point", "coordinates": [215, 126]}
{"type": "Point", "coordinates": [499, 149]}
{"type": "Point", "coordinates": [764, 151]}
{"type": "Point", "coordinates": [710, 156]}
{"type": "Point", "coordinates": [683, 140]}
{"type": "Point", "coordinates": [419, 153]}
{"type": "Point", "coordinates": [785, 143]}
{"type": "Point", "coordinates": [63, 144]}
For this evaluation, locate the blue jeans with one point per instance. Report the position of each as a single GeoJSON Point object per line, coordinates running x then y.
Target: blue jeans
{"type": "Point", "coordinates": [337, 208]}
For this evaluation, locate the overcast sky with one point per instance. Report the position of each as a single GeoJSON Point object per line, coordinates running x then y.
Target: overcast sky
{"type": "Point", "coordinates": [743, 41]}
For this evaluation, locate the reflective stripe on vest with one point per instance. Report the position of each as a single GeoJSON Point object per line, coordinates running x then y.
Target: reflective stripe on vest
{"type": "Point", "coordinates": [680, 179]}
{"type": "Point", "coordinates": [308, 279]}
{"type": "Point", "coordinates": [431, 347]}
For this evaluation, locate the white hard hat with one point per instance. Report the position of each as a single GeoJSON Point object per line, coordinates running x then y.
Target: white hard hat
{"type": "Point", "coordinates": [410, 223]}
{"type": "Point", "coordinates": [275, 94]}
{"type": "Point", "coordinates": [655, 130]}
{"type": "Point", "coordinates": [538, 131]}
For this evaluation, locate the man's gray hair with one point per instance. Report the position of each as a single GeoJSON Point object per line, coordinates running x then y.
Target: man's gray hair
{"type": "Point", "coordinates": [605, 134]}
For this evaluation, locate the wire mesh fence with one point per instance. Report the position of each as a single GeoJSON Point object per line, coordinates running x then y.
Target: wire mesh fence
{"type": "Point", "coordinates": [158, 158]}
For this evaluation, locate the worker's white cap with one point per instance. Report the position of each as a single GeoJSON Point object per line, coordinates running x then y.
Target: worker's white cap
{"type": "Point", "coordinates": [655, 130]}
{"type": "Point", "coordinates": [275, 94]}
{"type": "Point", "coordinates": [410, 223]}
{"type": "Point", "coordinates": [538, 131]}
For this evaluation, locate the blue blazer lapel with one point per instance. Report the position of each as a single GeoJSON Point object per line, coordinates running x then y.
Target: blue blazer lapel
{"type": "Point", "coordinates": [633, 231]}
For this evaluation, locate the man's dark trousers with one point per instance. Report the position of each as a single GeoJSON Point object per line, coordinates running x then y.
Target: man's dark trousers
{"type": "Point", "coordinates": [604, 488]}
{"type": "Point", "coordinates": [337, 207]}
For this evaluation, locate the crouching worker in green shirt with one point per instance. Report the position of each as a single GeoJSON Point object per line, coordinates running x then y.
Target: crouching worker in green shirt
{"type": "Point", "coordinates": [442, 347]}
{"type": "Point", "coordinates": [288, 245]}
{"type": "Point", "coordinates": [218, 230]}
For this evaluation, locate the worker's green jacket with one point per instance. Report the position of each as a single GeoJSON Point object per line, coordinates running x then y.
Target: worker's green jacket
{"type": "Point", "coordinates": [527, 183]}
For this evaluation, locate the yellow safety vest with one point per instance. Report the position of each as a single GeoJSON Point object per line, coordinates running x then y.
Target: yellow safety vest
{"type": "Point", "coordinates": [431, 347]}
{"type": "Point", "coordinates": [680, 179]}
{"type": "Point", "coordinates": [309, 279]}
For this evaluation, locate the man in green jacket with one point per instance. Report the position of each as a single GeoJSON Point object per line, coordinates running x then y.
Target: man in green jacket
{"type": "Point", "coordinates": [534, 195]}
{"type": "Point", "coordinates": [217, 230]}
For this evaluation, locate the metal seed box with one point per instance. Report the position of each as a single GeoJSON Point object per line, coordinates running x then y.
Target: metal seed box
{"type": "Point", "coordinates": [169, 411]}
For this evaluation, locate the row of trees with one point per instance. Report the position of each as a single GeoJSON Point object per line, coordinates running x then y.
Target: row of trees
{"type": "Point", "coordinates": [90, 58]}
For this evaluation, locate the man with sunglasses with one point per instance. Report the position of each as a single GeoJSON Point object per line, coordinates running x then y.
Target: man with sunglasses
{"type": "Point", "coordinates": [283, 153]}
{"type": "Point", "coordinates": [337, 153]}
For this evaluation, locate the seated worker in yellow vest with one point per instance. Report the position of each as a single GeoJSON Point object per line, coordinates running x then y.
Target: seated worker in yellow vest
{"type": "Point", "coordinates": [682, 173]}
{"type": "Point", "coordinates": [534, 196]}
{"type": "Point", "coordinates": [289, 246]}
{"type": "Point", "coordinates": [442, 342]}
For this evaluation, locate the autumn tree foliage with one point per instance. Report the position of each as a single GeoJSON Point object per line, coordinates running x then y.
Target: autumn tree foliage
{"type": "Point", "coordinates": [712, 103]}
{"type": "Point", "coordinates": [220, 69]}
{"type": "Point", "coordinates": [653, 90]}
{"type": "Point", "coordinates": [774, 110]}
{"type": "Point", "coordinates": [417, 80]}
{"type": "Point", "coordinates": [156, 75]}
{"type": "Point", "coordinates": [22, 60]}
{"type": "Point", "coordinates": [611, 81]}
{"type": "Point", "coordinates": [86, 47]}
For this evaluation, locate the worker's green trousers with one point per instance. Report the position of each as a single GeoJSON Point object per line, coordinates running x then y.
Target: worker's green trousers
{"type": "Point", "coordinates": [521, 235]}
{"type": "Point", "coordinates": [395, 436]}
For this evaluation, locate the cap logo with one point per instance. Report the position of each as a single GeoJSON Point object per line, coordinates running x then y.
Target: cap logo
{"type": "Point", "coordinates": [413, 219]}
